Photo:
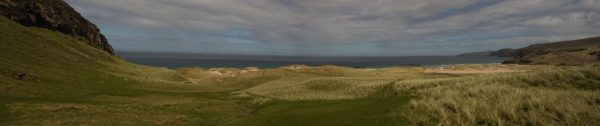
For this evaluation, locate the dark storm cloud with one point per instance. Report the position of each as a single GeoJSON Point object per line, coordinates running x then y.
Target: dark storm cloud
{"type": "Point", "coordinates": [339, 27]}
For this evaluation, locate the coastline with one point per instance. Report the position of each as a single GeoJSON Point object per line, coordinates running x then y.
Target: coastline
{"type": "Point", "coordinates": [174, 61]}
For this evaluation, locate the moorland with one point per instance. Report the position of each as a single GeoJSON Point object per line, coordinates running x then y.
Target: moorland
{"type": "Point", "coordinates": [48, 77]}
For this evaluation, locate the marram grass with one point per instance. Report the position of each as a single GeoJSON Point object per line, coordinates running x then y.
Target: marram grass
{"type": "Point", "coordinates": [567, 96]}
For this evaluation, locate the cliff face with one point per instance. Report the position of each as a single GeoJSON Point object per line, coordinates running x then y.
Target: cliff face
{"type": "Point", "coordinates": [54, 15]}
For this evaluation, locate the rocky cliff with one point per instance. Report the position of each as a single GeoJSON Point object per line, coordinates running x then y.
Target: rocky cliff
{"type": "Point", "coordinates": [55, 15]}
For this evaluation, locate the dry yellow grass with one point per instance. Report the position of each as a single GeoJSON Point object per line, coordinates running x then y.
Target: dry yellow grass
{"type": "Point", "coordinates": [483, 68]}
{"type": "Point", "coordinates": [566, 96]}
{"type": "Point", "coordinates": [57, 114]}
{"type": "Point", "coordinates": [505, 105]}
{"type": "Point", "coordinates": [321, 88]}
{"type": "Point", "coordinates": [334, 83]}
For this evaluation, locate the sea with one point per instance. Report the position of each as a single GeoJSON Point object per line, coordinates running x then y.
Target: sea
{"type": "Point", "coordinates": [178, 60]}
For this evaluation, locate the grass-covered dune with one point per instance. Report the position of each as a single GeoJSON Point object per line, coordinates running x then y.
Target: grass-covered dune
{"type": "Point", "coordinates": [49, 78]}
{"type": "Point", "coordinates": [559, 96]}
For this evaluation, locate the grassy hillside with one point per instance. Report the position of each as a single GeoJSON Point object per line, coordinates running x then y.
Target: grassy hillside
{"type": "Point", "coordinates": [580, 43]}
{"type": "Point", "coordinates": [49, 78]}
{"type": "Point", "coordinates": [32, 58]}
{"type": "Point", "coordinates": [572, 52]}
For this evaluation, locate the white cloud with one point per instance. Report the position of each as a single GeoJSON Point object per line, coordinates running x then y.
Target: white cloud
{"type": "Point", "coordinates": [314, 23]}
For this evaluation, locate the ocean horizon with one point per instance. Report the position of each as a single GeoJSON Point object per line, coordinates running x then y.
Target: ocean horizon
{"type": "Point", "coordinates": [179, 60]}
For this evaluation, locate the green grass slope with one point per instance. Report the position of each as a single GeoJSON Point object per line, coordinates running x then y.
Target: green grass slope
{"type": "Point", "coordinates": [49, 78]}
{"type": "Point", "coordinates": [372, 111]}
{"type": "Point", "coordinates": [35, 59]}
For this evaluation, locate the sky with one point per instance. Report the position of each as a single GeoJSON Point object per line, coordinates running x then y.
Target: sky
{"type": "Point", "coordinates": [338, 27]}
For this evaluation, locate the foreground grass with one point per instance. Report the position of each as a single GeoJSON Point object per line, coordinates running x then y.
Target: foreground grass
{"type": "Point", "coordinates": [144, 109]}
{"type": "Point", "coordinates": [564, 96]}
{"type": "Point", "coordinates": [373, 110]}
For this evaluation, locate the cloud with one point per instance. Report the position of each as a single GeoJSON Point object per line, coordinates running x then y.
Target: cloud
{"type": "Point", "coordinates": [332, 27]}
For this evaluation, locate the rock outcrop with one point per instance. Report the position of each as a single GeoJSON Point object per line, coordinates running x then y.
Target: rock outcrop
{"type": "Point", "coordinates": [55, 15]}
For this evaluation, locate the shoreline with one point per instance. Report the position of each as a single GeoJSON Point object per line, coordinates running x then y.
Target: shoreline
{"type": "Point", "coordinates": [338, 66]}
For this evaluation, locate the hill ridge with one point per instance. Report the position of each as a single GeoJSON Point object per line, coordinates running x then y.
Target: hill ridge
{"type": "Point", "coordinates": [568, 52]}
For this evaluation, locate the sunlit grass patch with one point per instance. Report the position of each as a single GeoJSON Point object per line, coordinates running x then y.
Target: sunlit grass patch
{"type": "Point", "coordinates": [322, 88]}
{"type": "Point", "coordinates": [505, 105]}
{"type": "Point", "coordinates": [562, 96]}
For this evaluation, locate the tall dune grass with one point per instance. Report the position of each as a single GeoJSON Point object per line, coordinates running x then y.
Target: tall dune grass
{"type": "Point", "coordinates": [562, 96]}
{"type": "Point", "coordinates": [321, 88]}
